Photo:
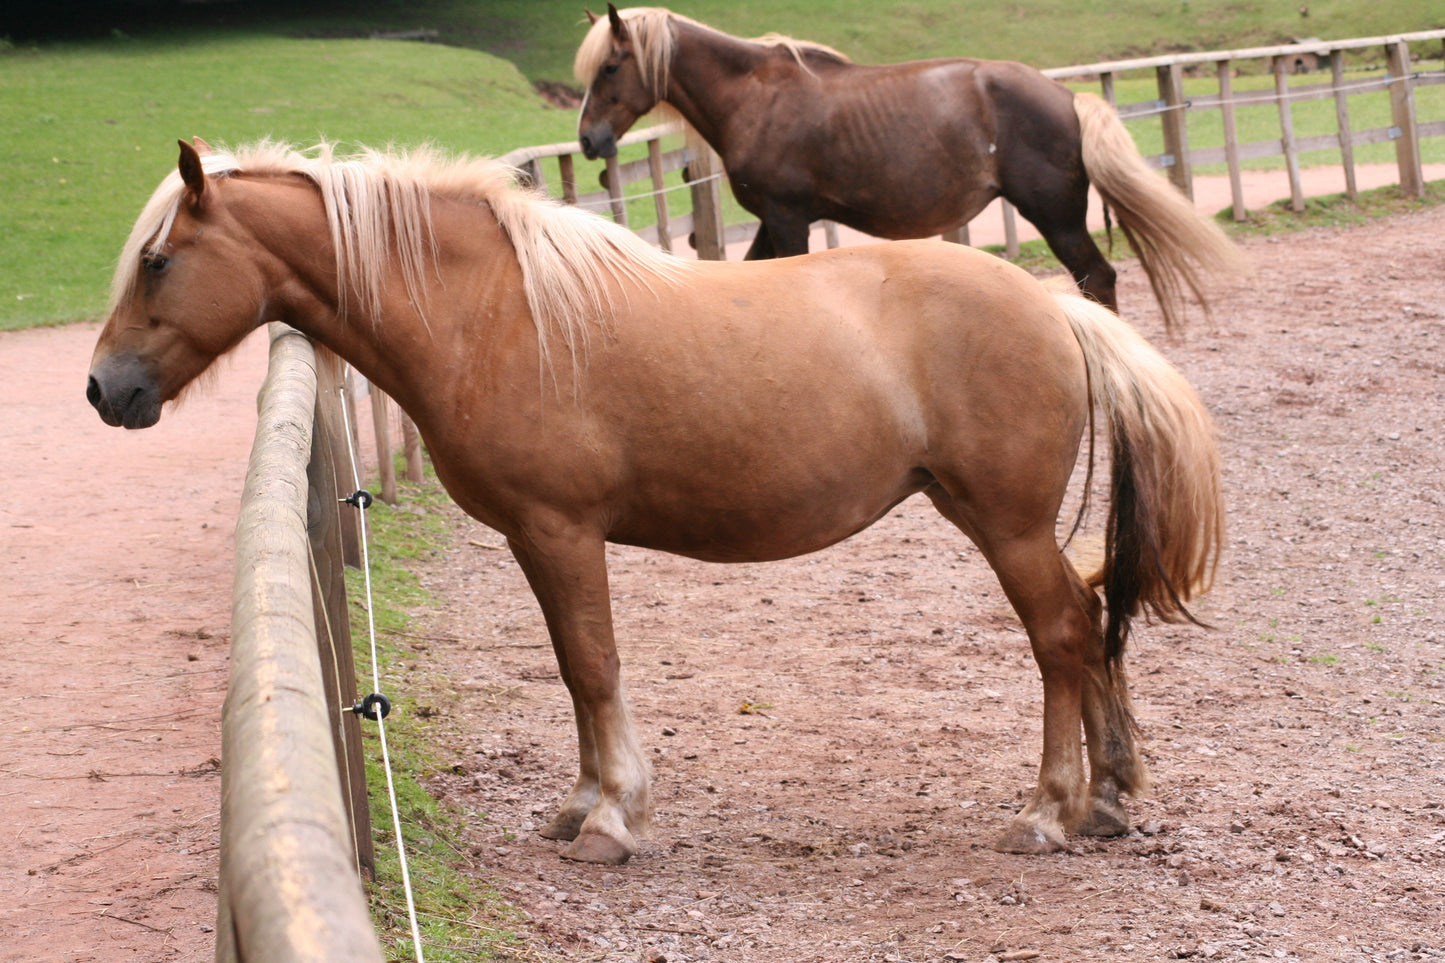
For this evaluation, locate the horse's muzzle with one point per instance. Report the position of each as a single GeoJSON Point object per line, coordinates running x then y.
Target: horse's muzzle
{"type": "Point", "coordinates": [123, 393]}
{"type": "Point", "coordinates": [599, 142]}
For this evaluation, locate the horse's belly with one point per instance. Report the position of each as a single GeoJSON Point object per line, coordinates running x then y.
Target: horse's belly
{"type": "Point", "coordinates": [791, 517]}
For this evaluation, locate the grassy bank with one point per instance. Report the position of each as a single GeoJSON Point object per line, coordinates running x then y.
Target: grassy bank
{"type": "Point", "coordinates": [91, 130]}
{"type": "Point", "coordinates": [92, 123]}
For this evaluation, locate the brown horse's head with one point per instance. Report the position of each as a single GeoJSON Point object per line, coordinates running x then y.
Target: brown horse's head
{"type": "Point", "coordinates": [182, 297]}
{"type": "Point", "coordinates": [624, 72]}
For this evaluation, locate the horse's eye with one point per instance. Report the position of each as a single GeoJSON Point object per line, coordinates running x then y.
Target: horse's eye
{"type": "Point", "coordinates": [154, 263]}
{"type": "Point", "coordinates": [609, 69]}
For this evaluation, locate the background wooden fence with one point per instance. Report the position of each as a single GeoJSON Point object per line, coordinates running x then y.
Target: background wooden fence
{"type": "Point", "coordinates": [710, 236]}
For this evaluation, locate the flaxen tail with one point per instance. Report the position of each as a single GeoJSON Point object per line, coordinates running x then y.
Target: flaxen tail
{"type": "Point", "coordinates": [1178, 248]}
{"type": "Point", "coordinates": [1166, 511]}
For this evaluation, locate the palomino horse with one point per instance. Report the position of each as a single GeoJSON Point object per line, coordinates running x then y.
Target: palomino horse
{"type": "Point", "coordinates": [575, 386]}
{"type": "Point", "coordinates": [900, 151]}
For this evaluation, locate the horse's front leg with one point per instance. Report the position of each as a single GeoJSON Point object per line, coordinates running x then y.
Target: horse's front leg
{"type": "Point", "coordinates": [609, 801]}
{"type": "Point", "coordinates": [781, 233]}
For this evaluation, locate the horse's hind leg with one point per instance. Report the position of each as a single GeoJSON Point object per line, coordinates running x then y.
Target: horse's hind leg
{"type": "Point", "coordinates": [1115, 766]}
{"type": "Point", "coordinates": [1058, 205]}
{"type": "Point", "coordinates": [1076, 250]}
{"type": "Point", "coordinates": [1035, 577]}
{"type": "Point", "coordinates": [610, 799]}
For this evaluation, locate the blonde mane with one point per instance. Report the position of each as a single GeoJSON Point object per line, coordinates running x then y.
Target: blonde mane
{"type": "Point", "coordinates": [653, 43]}
{"type": "Point", "coordinates": [377, 211]}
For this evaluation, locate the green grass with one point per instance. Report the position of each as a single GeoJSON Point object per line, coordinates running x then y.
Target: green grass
{"type": "Point", "coordinates": [541, 36]}
{"type": "Point", "coordinates": [91, 125]}
{"type": "Point", "coordinates": [460, 917]}
{"type": "Point", "coordinates": [91, 129]}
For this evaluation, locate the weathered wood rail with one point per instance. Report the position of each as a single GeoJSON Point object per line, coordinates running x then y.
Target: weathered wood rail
{"type": "Point", "coordinates": [1172, 107]}
{"type": "Point", "coordinates": [710, 236]}
{"type": "Point", "coordinates": [294, 830]}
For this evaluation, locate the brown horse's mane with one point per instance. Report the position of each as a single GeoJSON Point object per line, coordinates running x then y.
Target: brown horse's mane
{"type": "Point", "coordinates": [378, 216]}
{"type": "Point", "coordinates": [652, 42]}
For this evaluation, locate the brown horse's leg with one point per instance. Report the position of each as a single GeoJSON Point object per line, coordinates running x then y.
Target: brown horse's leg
{"type": "Point", "coordinates": [1056, 201]}
{"type": "Point", "coordinates": [609, 801]}
{"type": "Point", "coordinates": [762, 247]}
{"type": "Point", "coordinates": [779, 235]}
{"type": "Point", "coordinates": [1077, 251]}
{"type": "Point", "coordinates": [1037, 583]}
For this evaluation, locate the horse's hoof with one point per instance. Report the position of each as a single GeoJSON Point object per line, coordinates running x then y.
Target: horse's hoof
{"type": "Point", "coordinates": [1029, 839]}
{"type": "Point", "coordinates": [1105, 820]}
{"type": "Point", "coordinates": [563, 827]}
{"type": "Point", "coordinates": [597, 848]}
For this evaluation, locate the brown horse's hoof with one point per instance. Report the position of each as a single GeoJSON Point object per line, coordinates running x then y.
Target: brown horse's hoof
{"type": "Point", "coordinates": [597, 848]}
{"type": "Point", "coordinates": [1029, 839]}
{"type": "Point", "coordinates": [563, 827]}
{"type": "Point", "coordinates": [1105, 820]}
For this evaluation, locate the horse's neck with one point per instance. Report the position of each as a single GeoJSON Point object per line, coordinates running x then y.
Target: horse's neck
{"type": "Point", "coordinates": [471, 298]}
{"type": "Point", "coordinates": [705, 78]}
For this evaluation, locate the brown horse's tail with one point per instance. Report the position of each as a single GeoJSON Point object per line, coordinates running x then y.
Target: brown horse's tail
{"type": "Point", "coordinates": [1177, 247]}
{"type": "Point", "coordinates": [1166, 511]}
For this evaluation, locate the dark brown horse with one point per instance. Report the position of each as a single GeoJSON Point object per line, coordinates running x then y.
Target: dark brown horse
{"type": "Point", "coordinates": [900, 151]}
{"type": "Point", "coordinates": [575, 386]}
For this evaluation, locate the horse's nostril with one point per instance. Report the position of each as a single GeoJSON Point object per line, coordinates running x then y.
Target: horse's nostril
{"type": "Point", "coordinates": [587, 145]}
{"type": "Point", "coordinates": [92, 391]}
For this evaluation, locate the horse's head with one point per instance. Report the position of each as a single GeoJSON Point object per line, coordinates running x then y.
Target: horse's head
{"type": "Point", "coordinates": [185, 293]}
{"type": "Point", "coordinates": [623, 82]}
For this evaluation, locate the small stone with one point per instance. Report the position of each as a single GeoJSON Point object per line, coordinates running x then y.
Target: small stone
{"type": "Point", "coordinates": [1236, 827]}
{"type": "Point", "coordinates": [669, 731]}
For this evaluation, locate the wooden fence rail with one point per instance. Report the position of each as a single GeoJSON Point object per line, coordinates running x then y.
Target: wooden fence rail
{"type": "Point", "coordinates": [709, 236]}
{"type": "Point", "coordinates": [290, 888]}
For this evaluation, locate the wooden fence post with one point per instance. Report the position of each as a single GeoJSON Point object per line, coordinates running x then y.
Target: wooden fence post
{"type": "Point", "coordinates": [411, 445]}
{"type": "Point", "coordinates": [703, 166]}
{"type": "Point", "coordinates": [1224, 71]}
{"type": "Point", "coordinates": [612, 181]}
{"type": "Point", "coordinates": [1176, 129]}
{"type": "Point", "coordinates": [1280, 65]}
{"type": "Point", "coordinates": [332, 432]}
{"type": "Point", "coordinates": [1342, 121]}
{"type": "Point", "coordinates": [326, 519]}
{"type": "Point", "coordinates": [1010, 230]}
{"type": "Point", "coordinates": [381, 421]}
{"type": "Point", "coordinates": [567, 172]}
{"type": "Point", "coordinates": [1402, 112]}
{"type": "Point", "coordinates": [659, 195]}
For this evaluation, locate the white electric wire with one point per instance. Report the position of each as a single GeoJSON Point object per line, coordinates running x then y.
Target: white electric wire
{"type": "Point", "coordinates": [376, 685]}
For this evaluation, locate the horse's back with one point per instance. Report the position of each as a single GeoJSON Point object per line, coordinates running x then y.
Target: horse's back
{"type": "Point", "coordinates": [903, 150]}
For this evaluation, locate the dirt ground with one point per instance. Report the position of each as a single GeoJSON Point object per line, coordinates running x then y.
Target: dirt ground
{"type": "Point", "coordinates": [836, 740]}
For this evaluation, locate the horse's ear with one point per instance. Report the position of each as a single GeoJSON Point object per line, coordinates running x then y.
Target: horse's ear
{"type": "Point", "coordinates": [192, 174]}
{"type": "Point", "coordinates": [201, 146]}
{"type": "Point", "coordinates": [591, 17]}
{"type": "Point", "coordinates": [619, 29]}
